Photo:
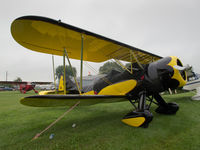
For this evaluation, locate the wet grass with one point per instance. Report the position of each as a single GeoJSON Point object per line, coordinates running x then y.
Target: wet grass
{"type": "Point", "coordinates": [97, 127]}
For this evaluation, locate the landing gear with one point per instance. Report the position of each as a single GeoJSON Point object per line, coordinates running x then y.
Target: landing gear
{"type": "Point", "coordinates": [142, 116]}
{"type": "Point", "coordinates": [165, 108]}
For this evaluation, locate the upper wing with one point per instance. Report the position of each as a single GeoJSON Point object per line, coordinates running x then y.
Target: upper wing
{"type": "Point", "coordinates": [51, 36]}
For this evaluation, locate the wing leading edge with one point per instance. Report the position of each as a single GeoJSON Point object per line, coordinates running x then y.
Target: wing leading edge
{"type": "Point", "coordinates": [51, 36]}
{"type": "Point", "coordinates": [69, 100]}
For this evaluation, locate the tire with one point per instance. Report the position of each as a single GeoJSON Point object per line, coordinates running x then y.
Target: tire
{"type": "Point", "coordinates": [170, 109]}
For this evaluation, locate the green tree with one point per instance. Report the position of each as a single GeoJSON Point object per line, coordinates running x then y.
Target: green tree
{"type": "Point", "coordinates": [60, 71]}
{"type": "Point", "coordinates": [108, 66]}
{"type": "Point", "coordinates": [18, 79]}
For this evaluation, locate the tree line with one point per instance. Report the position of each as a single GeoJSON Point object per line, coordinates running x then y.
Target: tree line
{"type": "Point", "coordinates": [105, 69]}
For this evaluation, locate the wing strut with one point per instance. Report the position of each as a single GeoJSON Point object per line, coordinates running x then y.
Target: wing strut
{"type": "Point", "coordinates": [54, 75]}
{"type": "Point", "coordinates": [123, 66]}
{"type": "Point", "coordinates": [131, 59]}
{"type": "Point", "coordinates": [72, 71]}
{"type": "Point", "coordinates": [81, 71]}
{"type": "Point", "coordinates": [132, 54]}
{"type": "Point", "coordinates": [64, 69]}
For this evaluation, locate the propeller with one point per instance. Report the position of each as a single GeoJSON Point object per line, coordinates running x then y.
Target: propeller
{"type": "Point", "coordinates": [183, 68]}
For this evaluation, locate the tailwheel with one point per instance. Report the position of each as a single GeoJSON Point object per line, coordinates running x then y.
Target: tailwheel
{"type": "Point", "coordinates": [138, 119]}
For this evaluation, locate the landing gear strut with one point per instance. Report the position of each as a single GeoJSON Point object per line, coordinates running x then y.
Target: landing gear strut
{"type": "Point", "coordinates": [142, 116]}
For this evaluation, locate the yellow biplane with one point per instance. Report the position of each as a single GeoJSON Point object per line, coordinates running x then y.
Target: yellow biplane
{"type": "Point", "coordinates": [140, 83]}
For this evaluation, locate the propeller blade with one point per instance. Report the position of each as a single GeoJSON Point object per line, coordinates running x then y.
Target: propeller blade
{"type": "Point", "coordinates": [183, 68]}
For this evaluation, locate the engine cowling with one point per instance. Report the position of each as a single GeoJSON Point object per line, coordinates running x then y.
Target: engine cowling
{"type": "Point", "coordinates": [163, 74]}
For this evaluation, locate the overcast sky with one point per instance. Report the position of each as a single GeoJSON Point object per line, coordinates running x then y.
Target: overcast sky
{"type": "Point", "coordinates": [162, 27]}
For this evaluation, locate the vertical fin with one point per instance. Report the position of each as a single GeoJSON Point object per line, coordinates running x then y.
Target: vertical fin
{"type": "Point", "coordinates": [61, 86]}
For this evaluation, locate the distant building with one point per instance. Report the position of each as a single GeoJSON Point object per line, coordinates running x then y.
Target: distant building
{"type": "Point", "coordinates": [90, 79]}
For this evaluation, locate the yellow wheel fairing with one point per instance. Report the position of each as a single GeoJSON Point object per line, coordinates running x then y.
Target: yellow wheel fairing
{"type": "Point", "coordinates": [135, 122]}
{"type": "Point", "coordinates": [177, 76]}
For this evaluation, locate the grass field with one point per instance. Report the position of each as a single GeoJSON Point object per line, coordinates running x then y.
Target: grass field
{"type": "Point", "coordinates": [97, 127]}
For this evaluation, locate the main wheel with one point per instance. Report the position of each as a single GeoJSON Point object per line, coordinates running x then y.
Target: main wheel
{"type": "Point", "coordinates": [171, 108]}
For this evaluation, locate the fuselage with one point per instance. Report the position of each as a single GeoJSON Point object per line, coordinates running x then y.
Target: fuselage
{"type": "Point", "coordinates": [153, 78]}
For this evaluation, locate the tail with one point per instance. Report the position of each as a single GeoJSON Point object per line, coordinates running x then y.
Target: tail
{"type": "Point", "coordinates": [61, 85]}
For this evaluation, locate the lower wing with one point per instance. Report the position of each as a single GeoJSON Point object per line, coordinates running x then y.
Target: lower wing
{"type": "Point", "coordinates": [69, 100]}
{"type": "Point", "coordinates": [112, 93]}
